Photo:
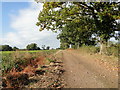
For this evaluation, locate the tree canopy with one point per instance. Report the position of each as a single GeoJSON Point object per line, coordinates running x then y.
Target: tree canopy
{"type": "Point", "coordinates": [32, 46]}
{"type": "Point", "coordinates": [77, 16]}
{"type": "Point", "coordinates": [75, 34]}
{"type": "Point", "coordinates": [15, 48]}
{"type": "Point", "coordinates": [5, 48]}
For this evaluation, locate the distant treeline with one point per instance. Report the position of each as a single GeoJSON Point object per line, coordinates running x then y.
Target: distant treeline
{"type": "Point", "coordinates": [32, 46]}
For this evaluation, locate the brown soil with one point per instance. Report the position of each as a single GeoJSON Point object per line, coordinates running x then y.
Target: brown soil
{"type": "Point", "coordinates": [86, 72]}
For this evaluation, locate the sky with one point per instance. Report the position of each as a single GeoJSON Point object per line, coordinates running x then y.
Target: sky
{"type": "Point", "coordinates": [19, 26]}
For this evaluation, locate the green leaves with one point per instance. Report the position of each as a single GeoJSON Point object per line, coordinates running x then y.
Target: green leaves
{"type": "Point", "coordinates": [32, 46]}
{"type": "Point", "coordinates": [80, 20]}
{"type": "Point", "coordinates": [75, 34]}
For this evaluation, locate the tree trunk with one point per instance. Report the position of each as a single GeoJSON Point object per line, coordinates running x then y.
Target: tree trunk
{"type": "Point", "coordinates": [102, 47]}
{"type": "Point", "coordinates": [78, 46]}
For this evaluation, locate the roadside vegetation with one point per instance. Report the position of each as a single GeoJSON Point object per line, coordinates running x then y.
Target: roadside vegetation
{"type": "Point", "coordinates": [112, 50]}
{"type": "Point", "coordinates": [25, 69]}
{"type": "Point", "coordinates": [12, 59]}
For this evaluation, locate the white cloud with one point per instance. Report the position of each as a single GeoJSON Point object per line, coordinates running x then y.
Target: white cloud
{"type": "Point", "coordinates": [27, 32]}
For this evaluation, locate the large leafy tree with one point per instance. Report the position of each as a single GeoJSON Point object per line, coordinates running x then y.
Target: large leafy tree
{"type": "Point", "coordinates": [56, 15]}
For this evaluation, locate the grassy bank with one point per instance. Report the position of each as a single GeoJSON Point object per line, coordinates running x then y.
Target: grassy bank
{"type": "Point", "coordinates": [12, 59]}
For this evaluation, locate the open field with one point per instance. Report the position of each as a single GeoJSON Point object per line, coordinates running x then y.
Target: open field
{"type": "Point", "coordinates": [26, 51]}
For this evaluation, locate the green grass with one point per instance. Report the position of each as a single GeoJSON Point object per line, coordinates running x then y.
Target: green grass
{"type": "Point", "coordinates": [24, 51]}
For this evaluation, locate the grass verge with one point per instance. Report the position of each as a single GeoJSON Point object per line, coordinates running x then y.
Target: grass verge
{"type": "Point", "coordinates": [10, 59]}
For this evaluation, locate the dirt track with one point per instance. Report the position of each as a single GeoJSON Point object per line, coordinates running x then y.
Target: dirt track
{"type": "Point", "coordinates": [82, 72]}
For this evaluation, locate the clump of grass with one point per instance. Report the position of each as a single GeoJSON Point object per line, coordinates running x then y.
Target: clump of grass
{"type": "Point", "coordinates": [50, 60]}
